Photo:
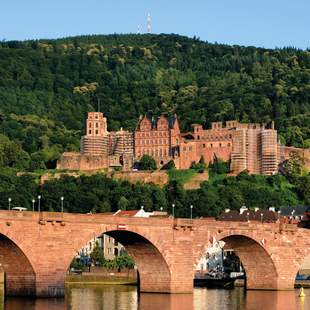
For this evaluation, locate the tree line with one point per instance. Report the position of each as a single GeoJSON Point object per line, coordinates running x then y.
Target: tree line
{"type": "Point", "coordinates": [98, 193]}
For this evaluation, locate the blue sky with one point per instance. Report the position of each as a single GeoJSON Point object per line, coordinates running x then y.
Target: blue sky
{"type": "Point", "coordinates": [266, 23]}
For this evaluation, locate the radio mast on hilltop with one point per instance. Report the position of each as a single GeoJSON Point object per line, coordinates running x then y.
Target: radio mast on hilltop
{"type": "Point", "coordinates": [149, 23]}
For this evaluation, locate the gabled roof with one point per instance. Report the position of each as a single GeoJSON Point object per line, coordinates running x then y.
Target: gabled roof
{"type": "Point", "coordinates": [126, 212]}
{"type": "Point", "coordinates": [171, 120]}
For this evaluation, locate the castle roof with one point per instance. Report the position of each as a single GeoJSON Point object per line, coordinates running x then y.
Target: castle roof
{"type": "Point", "coordinates": [154, 120]}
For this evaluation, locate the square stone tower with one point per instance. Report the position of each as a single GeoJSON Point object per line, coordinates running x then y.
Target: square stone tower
{"type": "Point", "coordinates": [95, 141]}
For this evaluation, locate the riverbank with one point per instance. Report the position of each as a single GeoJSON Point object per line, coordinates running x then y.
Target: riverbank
{"type": "Point", "coordinates": [102, 276]}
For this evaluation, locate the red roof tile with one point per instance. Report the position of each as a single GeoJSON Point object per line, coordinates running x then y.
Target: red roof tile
{"type": "Point", "coordinates": [126, 212]}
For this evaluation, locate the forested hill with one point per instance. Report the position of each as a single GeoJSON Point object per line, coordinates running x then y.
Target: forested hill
{"type": "Point", "coordinates": [47, 86]}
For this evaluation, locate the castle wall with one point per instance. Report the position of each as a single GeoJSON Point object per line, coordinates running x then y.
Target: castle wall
{"type": "Point", "coordinates": [303, 153]}
{"type": "Point", "coordinates": [77, 161]}
{"type": "Point", "coordinates": [69, 161]}
{"type": "Point", "coordinates": [251, 147]}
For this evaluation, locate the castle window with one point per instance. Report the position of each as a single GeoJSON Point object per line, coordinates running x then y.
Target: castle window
{"type": "Point", "coordinates": [89, 125]}
{"type": "Point", "coordinates": [184, 148]}
{"type": "Point", "coordinates": [211, 145]}
{"type": "Point", "coordinates": [203, 145]}
{"type": "Point", "coordinates": [220, 144]}
{"type": "Point", "coordinates": [96, 132]}
{"type": "Point", "coordinates": [228, 144]}
{"type": "Point", "coordinates": [89, 132]}
{"type": "Point", "coordinates": [96, 116]}
{"type": "Point", "coordinates": [97, 125]}
{"type": "Point", "coordinates": [198, 137]}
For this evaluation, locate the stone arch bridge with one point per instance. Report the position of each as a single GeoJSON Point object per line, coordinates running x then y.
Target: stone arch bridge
{"type": "Point", "coordinates": [36, 249]}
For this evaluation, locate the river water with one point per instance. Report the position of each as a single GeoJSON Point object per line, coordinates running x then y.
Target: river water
{"type": "Point", "coordinates": [126, 298]}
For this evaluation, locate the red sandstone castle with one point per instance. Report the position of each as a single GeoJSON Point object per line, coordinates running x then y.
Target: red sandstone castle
{"type": "Point", "coordinates": [252, 147]}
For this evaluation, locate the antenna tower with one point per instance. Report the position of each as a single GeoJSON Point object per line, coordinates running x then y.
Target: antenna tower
{"type": "Point", "coordinates": [149, 23]}
{"type": "Point", "coordinates": [138, 31]}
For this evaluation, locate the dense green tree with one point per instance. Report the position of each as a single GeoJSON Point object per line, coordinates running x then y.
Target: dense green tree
{"type": "Point", "coordinates": [123, 203]}
{"type": "Point", "coordinates": [218, 166]}
{"type": "Point", "coordinates": [147, 163]}
{"type": "Point", "coordinates": [97, 255]}
{"type": "Point", "coordinates": [169, 165]}
{"type": "Point", "coordinates": [97, 193]}
{"type": "Point", "coordinates": [200, 166]}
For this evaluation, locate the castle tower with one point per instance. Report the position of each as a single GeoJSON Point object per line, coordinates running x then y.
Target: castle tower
{"type": "Point", "coordinates": [95, 141]}
{"type": "Point", "coordinates": [269, 160]}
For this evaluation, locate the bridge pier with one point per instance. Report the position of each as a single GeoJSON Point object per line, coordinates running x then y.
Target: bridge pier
{"type": "Point", "coordinates": [50, 284]}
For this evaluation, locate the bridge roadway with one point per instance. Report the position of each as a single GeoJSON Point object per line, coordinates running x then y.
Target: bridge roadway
{"type": "Point", "coordinates": [36, 249]}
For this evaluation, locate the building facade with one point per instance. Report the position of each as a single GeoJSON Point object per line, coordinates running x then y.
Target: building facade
{"type": "Point", "coordinates": [159, 138]}
{"type": "Point", "coordinates": [252, 147]}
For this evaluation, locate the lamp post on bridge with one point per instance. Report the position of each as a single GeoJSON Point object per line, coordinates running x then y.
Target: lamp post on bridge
{"type": "Point", "coordinates": [39, 203]}
{"type": "Point", "coordinates": [33, 201]}
{"type": "Point", "coordinates": [191, 207]}
{"type": "Point", "coordinates": [173, 205]}
{"type": "Point", "coordinates": [261, 217]}
{"type": "Point", "coordinates": [62, 203]}
{"type": "Point", "coordinates": [9, 200]}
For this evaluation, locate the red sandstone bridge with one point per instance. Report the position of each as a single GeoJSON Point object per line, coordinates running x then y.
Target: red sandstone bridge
{"type": "Point", "coordinates": [36, 249]}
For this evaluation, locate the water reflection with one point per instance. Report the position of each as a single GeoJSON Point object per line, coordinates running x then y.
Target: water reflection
{"type": "Point", "coordinates": [166, 302]}
{"type": "Point", "coordinates": [122, 297]}
{"type": "Point", "coordinates": [126, 298]}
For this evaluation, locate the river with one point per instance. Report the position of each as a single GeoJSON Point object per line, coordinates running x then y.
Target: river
{"type": "Point", "coordinates": [126, 298]}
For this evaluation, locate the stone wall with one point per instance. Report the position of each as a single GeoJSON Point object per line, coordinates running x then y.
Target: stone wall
{"type": "Point", "coordinates": [157, 177]}
{"type": "Point", "coordinates": [304, 153]}
{"type": "Point", "coordinates": [77, 161]}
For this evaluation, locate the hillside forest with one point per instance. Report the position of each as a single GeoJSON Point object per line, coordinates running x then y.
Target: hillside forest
{"type": "Point", "coordinates": [48, 86]}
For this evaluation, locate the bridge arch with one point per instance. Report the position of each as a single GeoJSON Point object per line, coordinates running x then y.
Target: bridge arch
{"type": "Point", "coordinates": [19, 275]}
{"type": "Point", "coordinates": [260, 269]}
{"type": "Point", "coordinates": [154, 270]}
